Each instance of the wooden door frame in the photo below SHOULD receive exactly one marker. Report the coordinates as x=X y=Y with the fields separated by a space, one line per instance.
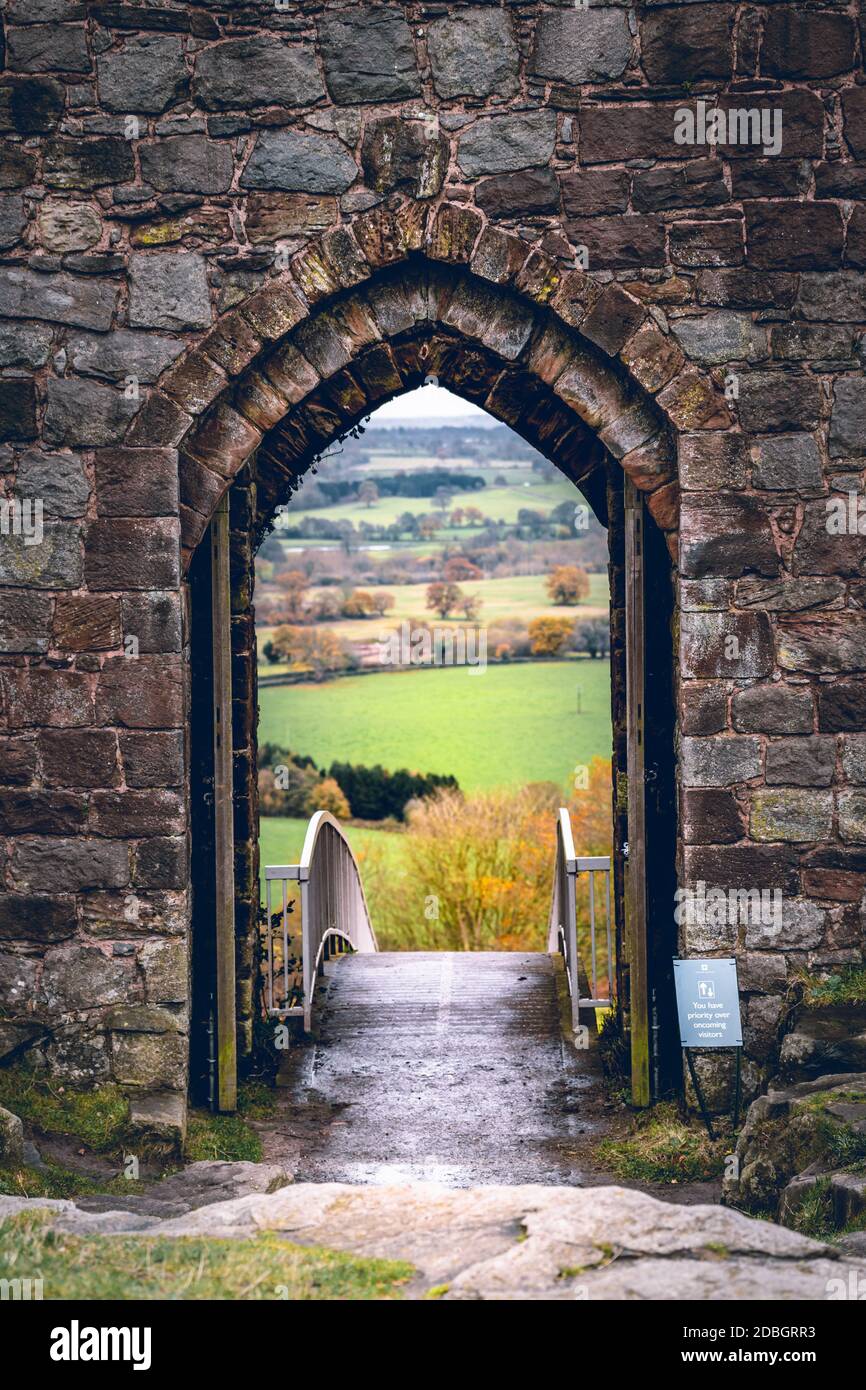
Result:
x=635 y=862
x=223 y=783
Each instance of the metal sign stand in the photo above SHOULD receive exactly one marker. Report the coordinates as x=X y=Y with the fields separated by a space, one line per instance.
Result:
x=705 y=1114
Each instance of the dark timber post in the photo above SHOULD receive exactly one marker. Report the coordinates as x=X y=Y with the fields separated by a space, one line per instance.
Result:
x=227 y=1081
x=635 y=878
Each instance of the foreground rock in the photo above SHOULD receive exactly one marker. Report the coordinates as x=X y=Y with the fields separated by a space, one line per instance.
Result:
x=523 y=1242
x=801 y=1139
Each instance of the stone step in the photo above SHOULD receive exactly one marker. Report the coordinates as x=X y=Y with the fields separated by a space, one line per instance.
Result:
x=824 y=1041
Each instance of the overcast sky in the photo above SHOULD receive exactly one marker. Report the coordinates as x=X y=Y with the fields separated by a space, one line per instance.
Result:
x=430 y=404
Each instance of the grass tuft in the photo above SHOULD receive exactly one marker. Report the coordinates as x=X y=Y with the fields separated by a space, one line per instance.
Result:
x=824 y=991
x=664 y=1148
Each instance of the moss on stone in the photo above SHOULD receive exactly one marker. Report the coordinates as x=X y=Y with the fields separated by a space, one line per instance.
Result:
x=98 y=1116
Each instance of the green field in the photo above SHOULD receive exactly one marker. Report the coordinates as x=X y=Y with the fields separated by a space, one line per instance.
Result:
x=507 y=726
x=496 y=503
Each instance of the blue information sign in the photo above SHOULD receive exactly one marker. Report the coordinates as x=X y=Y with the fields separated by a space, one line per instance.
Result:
x=708 y=1002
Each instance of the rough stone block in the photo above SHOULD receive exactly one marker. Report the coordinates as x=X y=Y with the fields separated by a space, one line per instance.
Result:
x=585 y=45
x=720 y=762
x=728 y=645
x=848 y=420
x=145 y=76
x=725 y=536
x=500 y=144
x=473 y=54
x=688 y=44
x=795 y=816
x=69 y=865
x=772 y=709
x=79 y=758
x=149 y=1060
x=299 y=163
x=801 y=762
x=153 y=759
x=262 y=70
x=141 y=694
x=822 y=644
x=368 y=55
x=187 y=164
x=712 y=461
x=136 y=482
x=128 y=553
x=168 y=290
x=788 y=461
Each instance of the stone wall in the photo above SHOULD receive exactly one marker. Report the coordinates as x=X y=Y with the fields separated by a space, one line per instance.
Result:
x=234 y=227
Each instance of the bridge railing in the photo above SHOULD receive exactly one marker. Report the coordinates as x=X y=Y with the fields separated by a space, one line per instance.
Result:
x=585 y=939
x=334 y=914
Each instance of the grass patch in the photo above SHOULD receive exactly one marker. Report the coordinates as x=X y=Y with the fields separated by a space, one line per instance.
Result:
x=256 y=1100
x=814 y=1216
x=97 y=1117
x=509 y=726
x=663 y=1147
x=52 y=1180
x=120 y=1267
x=225 y=1137
x=822 y=992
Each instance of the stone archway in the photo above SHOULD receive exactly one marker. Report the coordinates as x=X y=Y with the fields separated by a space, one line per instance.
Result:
x=597 y=348
x=414 y=318
x=155 y=170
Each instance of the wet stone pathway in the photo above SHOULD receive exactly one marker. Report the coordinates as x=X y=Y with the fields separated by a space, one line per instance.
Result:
x=445 y=1067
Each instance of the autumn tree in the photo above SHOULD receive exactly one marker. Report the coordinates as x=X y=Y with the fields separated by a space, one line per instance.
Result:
x=567 y=584
x=359 y=604
x=311 y=649
x=368 y=493
x=327 y=796
x=459 y=570
x=470 y=606
x=293 y=586
x=549 y=636
x=382 y=600
x=443 y=598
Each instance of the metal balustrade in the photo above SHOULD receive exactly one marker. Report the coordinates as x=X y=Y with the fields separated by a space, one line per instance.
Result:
x=334 y=914
x=578 y=942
